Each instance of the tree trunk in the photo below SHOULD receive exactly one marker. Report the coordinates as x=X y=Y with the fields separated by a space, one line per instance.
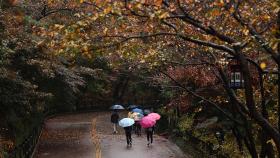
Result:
x=278 y=83
x=238 y=140
x=123 y=89
x=252 y=151
x=267 y=148
x=238 y=108
x=251 y=140
x=116 y=93
x=278 y=51
x=250 y=102
x=119 y=89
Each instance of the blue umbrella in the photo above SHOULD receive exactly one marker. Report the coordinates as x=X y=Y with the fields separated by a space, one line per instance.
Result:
x=117 y=107
x=126 y=122
x=138 y=110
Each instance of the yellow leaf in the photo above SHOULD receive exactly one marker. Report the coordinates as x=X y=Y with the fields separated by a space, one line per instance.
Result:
x=271 y=142
x=108 y=10
x=215 y=12
x=139 y=5
x=246 y=32
x=164 y=15
x=85 y=48
x=77 y=15
x=266 y=17
x=98 y=2
x=105 y=30
x=263 y=65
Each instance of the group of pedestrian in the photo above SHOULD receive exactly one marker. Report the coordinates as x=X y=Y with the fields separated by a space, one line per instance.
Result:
x=135 y=116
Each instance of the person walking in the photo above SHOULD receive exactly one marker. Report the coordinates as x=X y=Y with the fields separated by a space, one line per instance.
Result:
x=128 y=131
x=115 y=119
x=130 y=115
x=137 y=128
x=150 y=132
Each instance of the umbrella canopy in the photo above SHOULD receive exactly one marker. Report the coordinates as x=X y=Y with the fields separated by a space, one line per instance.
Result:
x=130 y=114
x=147 y=122
x=126 y=122
x=156 y=116
x=117 y=107
x=137 y=110
x=137 y=116
x=147 y=111
x=132 y=106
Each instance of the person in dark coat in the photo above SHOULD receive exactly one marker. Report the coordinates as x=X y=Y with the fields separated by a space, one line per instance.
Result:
x=150 y=132
x=128 y=131
x=137 y=128
x=115 y=119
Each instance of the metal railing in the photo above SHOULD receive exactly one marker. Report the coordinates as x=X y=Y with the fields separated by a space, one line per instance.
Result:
x=25 y=149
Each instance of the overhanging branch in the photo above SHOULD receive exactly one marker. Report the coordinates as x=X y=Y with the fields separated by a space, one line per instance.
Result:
x=202 y=98
x=237 y=16
x=182 y=36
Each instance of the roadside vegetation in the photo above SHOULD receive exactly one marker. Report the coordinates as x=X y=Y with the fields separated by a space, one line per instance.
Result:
x=209 y=67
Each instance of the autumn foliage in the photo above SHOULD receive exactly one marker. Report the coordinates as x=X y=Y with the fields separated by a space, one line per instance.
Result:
x=181 y=48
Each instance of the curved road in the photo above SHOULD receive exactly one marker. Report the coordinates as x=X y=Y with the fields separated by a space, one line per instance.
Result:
x=89 y=135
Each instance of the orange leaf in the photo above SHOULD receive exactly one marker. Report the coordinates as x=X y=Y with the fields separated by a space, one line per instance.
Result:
x=158 y=2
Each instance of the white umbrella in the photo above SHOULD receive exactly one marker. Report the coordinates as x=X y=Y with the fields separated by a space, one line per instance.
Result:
x=125 y=122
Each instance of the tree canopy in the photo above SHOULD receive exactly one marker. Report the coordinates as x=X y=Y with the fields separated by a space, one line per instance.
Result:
x=180 y=47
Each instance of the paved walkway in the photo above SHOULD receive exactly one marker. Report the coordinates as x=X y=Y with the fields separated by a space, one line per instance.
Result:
x=89 y=135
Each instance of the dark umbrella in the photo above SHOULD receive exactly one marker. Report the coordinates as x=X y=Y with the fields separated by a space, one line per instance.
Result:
x=147 y=111
x=132 y=106
x=117 y=107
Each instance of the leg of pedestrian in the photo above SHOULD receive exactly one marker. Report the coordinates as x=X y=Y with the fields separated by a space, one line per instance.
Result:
x=127 y=138
x=148 y=138
x=151 y=137
x=140 y=131
x=114 y=126
x=130 y=139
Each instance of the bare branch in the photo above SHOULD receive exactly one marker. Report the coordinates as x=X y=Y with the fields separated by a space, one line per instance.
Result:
x=196 y=23
x=190 y=64
x=134 y=12
x=182 y=36
x=237 y=16
x=170 y=25
x=45 y=14
x=202 y=98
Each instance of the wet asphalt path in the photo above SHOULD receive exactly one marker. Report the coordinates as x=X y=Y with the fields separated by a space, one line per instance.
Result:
x=89 y=135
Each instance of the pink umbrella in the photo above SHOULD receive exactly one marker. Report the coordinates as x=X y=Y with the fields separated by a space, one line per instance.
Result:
x=147 y=122
x=156 y=116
